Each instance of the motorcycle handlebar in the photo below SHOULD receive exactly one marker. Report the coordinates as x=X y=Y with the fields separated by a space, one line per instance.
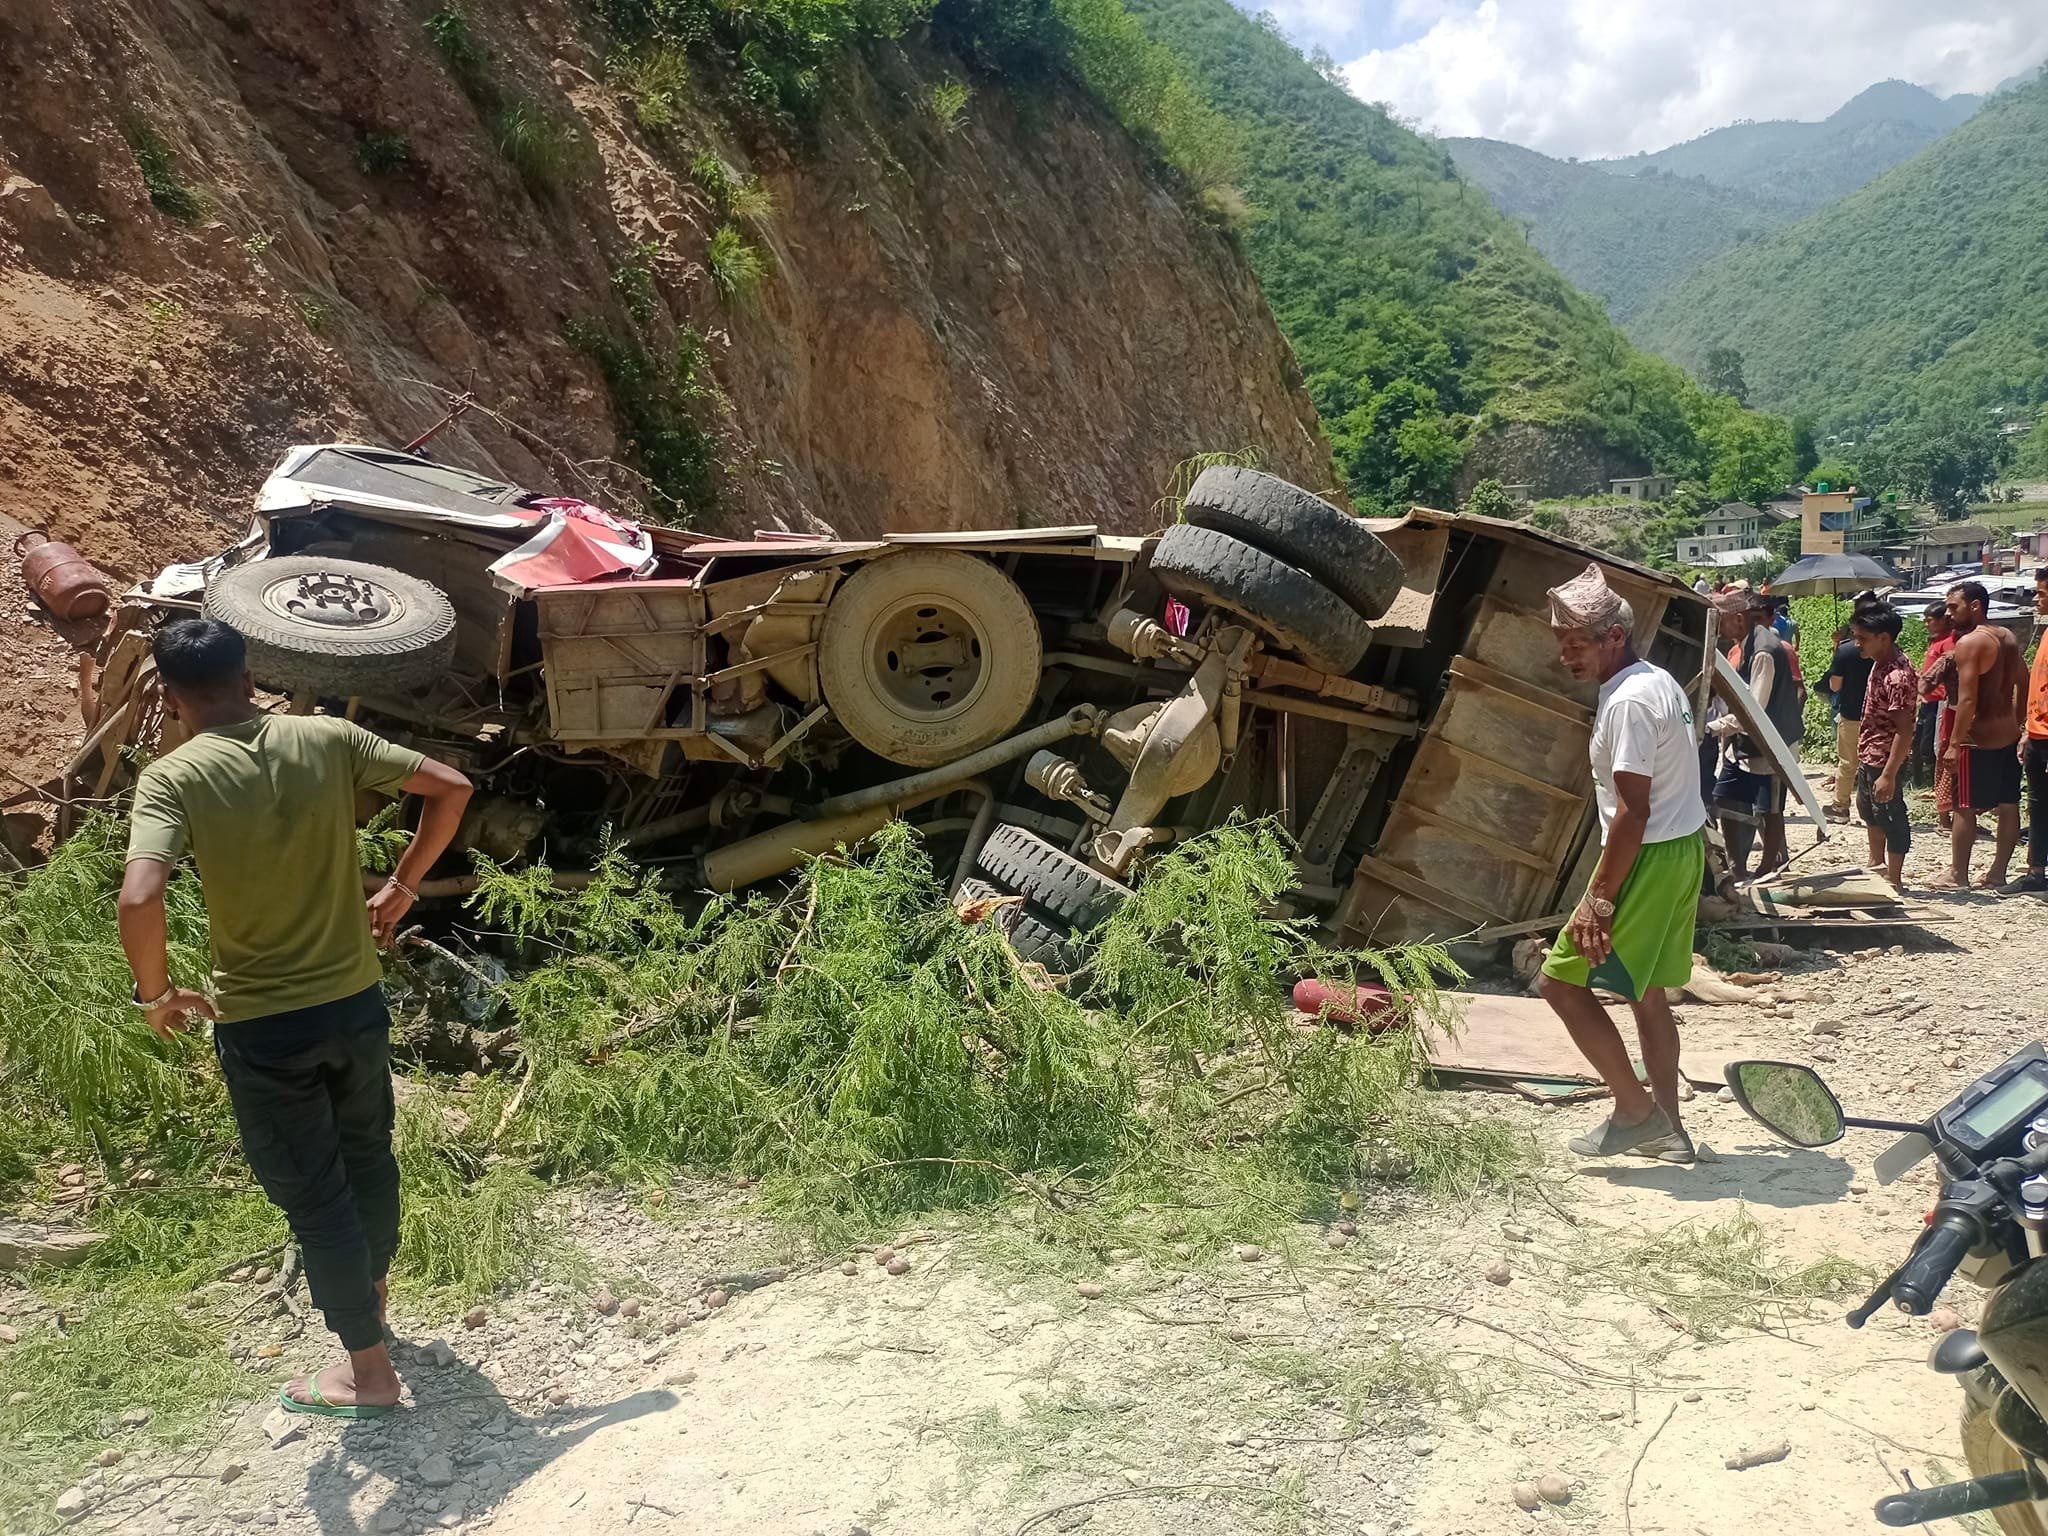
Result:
x=1934 y=1259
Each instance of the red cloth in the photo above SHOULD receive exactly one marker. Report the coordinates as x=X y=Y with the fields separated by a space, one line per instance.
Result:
x=574 y=542
x=1891 y=695
x=1937 y=689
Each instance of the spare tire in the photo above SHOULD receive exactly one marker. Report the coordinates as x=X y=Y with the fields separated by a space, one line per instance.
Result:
x=1033 y=933
x=1049 y=877
x=1298 y=612
x=336 y=629
x=1308 y=533
x=928 y=655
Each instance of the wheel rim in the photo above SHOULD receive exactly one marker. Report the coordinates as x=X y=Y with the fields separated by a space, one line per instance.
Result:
x=927 y=658
x=334 y=600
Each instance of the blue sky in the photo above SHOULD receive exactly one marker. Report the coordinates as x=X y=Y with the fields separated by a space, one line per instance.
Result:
x=1609 y=77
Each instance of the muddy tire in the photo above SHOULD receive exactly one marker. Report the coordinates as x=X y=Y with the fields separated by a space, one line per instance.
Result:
x=1295 y=610
x=1305 y=531
x=1986 y=1451
x=336 y=629
x=1033 y=933
x=928 y=655
x=1047 y=877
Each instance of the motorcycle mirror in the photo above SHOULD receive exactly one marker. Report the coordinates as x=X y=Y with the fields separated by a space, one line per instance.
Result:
x=1791 y=1102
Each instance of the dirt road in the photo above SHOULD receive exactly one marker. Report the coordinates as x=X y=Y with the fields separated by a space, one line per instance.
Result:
x=1641 y=1339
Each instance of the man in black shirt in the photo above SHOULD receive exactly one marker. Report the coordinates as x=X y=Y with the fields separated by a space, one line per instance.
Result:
x=1847 y=675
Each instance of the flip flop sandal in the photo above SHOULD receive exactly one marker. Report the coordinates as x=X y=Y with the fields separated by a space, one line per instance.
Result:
x=321 y=1408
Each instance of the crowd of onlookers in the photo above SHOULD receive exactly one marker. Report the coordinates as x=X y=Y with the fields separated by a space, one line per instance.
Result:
x=1968 y=720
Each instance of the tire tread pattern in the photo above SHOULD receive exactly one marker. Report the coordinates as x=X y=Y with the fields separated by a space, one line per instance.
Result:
x=1049 y=877
x=332 y=663
x=1291 y=606
x=1033 y=933
x=1306 y=532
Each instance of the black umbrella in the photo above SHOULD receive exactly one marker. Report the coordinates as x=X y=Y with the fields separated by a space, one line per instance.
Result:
x=1831 y=576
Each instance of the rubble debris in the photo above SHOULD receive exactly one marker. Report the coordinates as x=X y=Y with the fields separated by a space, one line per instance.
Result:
x=1762 y=1458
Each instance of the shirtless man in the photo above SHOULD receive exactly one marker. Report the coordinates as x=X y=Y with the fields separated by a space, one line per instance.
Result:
x=1990 y=701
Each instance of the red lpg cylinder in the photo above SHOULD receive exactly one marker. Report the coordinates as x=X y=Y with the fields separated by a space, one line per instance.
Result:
x=62 y=579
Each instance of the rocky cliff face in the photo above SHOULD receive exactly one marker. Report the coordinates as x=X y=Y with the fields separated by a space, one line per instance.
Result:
x=226 y=226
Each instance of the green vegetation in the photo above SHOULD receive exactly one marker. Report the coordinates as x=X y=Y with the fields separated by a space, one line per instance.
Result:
x=870 y=1056
x=466 y=58
x=382 y=153
x=656 y=79
x=1946 y=456
x=1818 y=618
x=656 y=396
x=1422 y=317
x=2032 y=460
x=1622 y=238
x=735 y=266
x=160 y=171
x=544 y=147
x=82 y=1081
x=945 y=102
x=741 y=196
x=1709 y=1278
x=1489 y=498
x=1167 y=508
x=633 y=281
x=780 y=52
x=1919 y=291
x=1798 y=167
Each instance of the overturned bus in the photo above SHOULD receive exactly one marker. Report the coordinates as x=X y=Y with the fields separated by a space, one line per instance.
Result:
x=1049 y=706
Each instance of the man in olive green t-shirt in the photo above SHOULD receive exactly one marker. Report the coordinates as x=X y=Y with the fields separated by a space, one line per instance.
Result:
x=265 y=806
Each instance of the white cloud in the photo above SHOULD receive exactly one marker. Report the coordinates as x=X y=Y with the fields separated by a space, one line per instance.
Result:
x=1610 y=77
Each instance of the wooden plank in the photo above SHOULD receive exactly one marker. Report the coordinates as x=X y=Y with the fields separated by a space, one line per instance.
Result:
x=1467 y=833
x=1462 y=786
x=1419 y=890
x=1455 y=863
x=1507 y=771
x=1494 y=723
x=1517 y=641
x=1528 y=692
x=1521 y=1037
x=1734 y=692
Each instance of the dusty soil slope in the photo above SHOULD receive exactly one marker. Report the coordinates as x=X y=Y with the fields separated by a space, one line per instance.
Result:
x=1007 y=320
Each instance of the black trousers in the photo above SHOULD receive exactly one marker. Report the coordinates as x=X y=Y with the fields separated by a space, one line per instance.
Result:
x=312 y=1096
x=2036 y=764
x=1921 y=764
x=1886 y=816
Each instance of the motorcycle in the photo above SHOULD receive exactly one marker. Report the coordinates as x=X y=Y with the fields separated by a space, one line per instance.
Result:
x=1992 y=1144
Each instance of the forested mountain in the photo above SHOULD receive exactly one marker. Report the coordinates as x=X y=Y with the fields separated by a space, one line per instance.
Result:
x=1437 y=342
x=1623 y=239
x=1929 y=285
x=1800 y=166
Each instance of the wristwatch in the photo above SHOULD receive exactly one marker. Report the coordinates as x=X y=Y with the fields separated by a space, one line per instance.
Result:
x=1599 y=906
x=135 y=996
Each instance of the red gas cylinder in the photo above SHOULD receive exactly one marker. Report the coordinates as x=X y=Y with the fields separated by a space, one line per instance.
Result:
x=1367 y=1003
x=62 y=579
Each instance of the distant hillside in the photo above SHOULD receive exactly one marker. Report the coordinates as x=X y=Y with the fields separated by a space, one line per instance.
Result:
x=1801 y=166
x=1623 y=239
x=1925 y=286
x=1438 y=344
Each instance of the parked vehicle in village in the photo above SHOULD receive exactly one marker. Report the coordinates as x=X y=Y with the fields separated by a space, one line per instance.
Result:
x=1048 y=705
x=1992 y=1143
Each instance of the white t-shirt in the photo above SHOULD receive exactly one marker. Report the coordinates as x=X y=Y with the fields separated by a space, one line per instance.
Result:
x=1644 y=725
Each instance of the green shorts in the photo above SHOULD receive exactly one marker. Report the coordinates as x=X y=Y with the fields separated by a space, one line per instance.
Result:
x=1653 y=919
